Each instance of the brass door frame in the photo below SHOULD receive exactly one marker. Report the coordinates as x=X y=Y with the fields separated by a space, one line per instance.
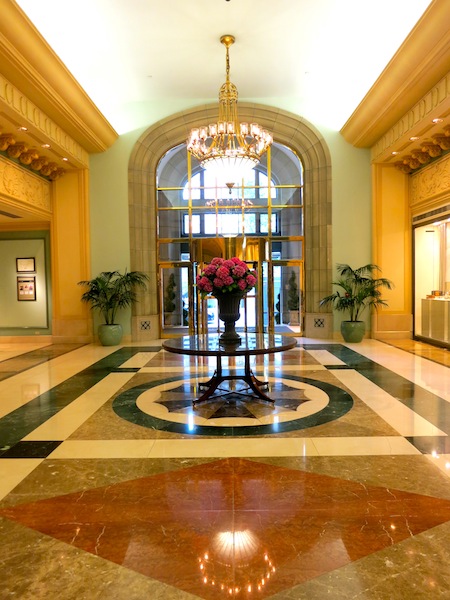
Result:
x=197 y=313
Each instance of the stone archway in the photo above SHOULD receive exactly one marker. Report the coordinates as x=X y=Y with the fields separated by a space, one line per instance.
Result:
x=288 y=129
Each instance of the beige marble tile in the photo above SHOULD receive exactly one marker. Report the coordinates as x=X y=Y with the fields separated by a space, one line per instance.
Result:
x=13 y=471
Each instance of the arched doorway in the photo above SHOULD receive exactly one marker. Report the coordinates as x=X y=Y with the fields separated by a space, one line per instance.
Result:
x=288 y=130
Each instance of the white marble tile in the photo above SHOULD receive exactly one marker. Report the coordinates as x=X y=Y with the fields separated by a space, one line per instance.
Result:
x=70 y=418
x=103 y=449
x=324 y=357
x=426 y=373
x=140 y=359
x=400 y=417
x=363 y=446
x=164 y=370
x=227 y=447
x=17 y=390
x=289 y=368
x=12 y=350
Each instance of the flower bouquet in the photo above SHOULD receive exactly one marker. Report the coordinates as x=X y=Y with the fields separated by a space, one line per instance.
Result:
x=226 y=276
x=228 y=280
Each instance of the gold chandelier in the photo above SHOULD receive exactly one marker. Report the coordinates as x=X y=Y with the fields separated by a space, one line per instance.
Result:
x=228 y=147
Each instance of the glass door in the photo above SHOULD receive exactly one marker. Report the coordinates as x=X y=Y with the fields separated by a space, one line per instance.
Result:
x=177 y=301
x=287 y=278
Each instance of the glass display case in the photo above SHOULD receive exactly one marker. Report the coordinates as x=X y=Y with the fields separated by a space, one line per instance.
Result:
x=432 y=281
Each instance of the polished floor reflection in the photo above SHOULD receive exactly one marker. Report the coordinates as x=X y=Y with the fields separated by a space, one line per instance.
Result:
x=114 y=486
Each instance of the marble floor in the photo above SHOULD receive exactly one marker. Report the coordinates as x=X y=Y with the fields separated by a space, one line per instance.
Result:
x=113 y=486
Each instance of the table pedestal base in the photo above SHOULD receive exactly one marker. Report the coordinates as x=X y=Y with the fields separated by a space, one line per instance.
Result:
x=252 y=382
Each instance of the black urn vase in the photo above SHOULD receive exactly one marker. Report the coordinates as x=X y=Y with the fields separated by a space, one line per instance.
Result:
x=229 y=305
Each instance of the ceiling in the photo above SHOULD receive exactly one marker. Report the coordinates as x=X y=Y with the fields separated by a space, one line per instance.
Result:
x=316 y=58
x=140 y=61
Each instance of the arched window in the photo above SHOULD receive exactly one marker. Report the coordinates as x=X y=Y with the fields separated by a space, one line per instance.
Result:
x=262 y=215
x=240 y=209
x=269 y=202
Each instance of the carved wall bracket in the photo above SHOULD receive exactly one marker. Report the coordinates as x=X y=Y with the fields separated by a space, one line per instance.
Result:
x=29 y=157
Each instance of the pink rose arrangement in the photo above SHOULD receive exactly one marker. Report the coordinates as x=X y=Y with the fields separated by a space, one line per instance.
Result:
x=223 y=276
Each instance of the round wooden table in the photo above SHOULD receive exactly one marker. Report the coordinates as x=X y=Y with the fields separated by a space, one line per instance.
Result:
x=251 y=344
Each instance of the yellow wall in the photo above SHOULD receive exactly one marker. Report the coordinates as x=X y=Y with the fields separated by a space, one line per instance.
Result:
x=392 y=250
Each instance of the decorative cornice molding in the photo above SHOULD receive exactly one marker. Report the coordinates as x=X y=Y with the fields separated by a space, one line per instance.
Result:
x=19 y=109
x=421 y=61
x=32 y=66
x=24 y=190
x=418 y=122
x=431 y=185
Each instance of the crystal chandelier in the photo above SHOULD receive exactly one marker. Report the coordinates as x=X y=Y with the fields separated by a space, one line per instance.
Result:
x=228 y=147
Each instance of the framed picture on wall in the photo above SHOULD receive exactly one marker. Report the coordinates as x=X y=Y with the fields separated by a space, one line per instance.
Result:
x=26 y=288
x=25 y=265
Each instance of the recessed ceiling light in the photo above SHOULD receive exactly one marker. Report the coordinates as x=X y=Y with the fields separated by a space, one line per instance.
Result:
x=414 y=138
x=437 y=120
x=394 y=153
x=22 y=128
x=45 y=146
x=65 y=159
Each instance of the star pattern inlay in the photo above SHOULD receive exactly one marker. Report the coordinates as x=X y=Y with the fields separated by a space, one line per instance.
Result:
x=233 y=403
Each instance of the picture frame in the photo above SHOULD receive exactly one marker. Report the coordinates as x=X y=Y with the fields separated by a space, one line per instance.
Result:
x=26 y=265
x=26 y=289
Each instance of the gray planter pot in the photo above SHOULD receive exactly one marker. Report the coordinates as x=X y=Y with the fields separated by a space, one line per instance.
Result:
x=353 y=331
x=110 y=335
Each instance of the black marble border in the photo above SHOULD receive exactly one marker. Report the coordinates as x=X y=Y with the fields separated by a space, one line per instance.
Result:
x=340 y=402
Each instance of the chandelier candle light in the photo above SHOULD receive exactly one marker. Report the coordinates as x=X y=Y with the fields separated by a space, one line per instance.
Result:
x=228 y=280
x=228 y=147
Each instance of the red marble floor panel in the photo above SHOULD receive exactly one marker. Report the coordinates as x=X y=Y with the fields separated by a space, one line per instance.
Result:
x=233 y=524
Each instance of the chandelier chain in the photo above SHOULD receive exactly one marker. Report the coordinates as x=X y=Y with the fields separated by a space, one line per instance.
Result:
x=228 y=147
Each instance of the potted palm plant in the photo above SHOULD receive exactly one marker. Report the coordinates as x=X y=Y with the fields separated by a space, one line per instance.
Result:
x=109 y=292
x=359 y=290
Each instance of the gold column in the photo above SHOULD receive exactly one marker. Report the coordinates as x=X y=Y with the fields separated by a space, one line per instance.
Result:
x=70 y=246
